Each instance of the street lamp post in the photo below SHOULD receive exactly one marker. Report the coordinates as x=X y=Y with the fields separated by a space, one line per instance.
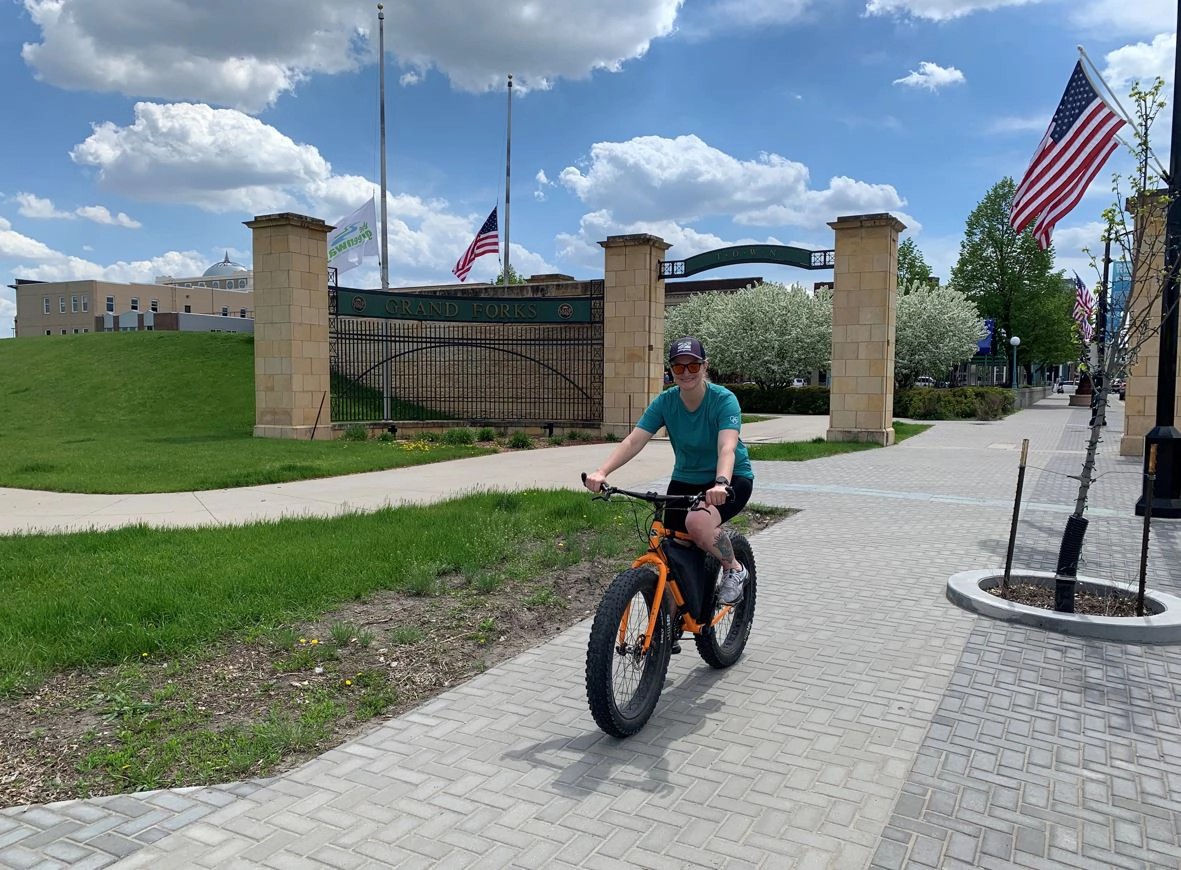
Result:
x=1166 y=493
x=1015 y=341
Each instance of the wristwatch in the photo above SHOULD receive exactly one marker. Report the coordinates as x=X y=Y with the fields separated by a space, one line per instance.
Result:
x=722 y=481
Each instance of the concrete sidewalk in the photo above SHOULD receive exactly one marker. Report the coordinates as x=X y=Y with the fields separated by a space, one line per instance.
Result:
x=870 y=724
x=24 y=510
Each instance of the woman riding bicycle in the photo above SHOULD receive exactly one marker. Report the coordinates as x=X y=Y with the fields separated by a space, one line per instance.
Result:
x=703 y=422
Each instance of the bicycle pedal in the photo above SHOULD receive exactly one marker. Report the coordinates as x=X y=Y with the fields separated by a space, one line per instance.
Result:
x=676 y=648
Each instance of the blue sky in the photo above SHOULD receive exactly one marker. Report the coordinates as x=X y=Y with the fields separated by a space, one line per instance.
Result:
x=141 y=135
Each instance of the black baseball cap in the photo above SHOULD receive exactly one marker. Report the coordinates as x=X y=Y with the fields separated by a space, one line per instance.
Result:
x=687 y=346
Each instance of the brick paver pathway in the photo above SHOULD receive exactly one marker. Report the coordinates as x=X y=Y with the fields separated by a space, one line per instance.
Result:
x=870 y=724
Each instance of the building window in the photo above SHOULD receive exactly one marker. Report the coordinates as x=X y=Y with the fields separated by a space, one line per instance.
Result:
x=149 y=328
x=135 y=303
x=200 y=283
x=84 y=329
x=189 y=284
x=73 y=304
x=61 y=304
x=85 y=304
x=75 y=330
x=225 y=311
x=215 y=284
x=242 y=283
x=49 y=332
x=241 y=312
x=110 y=305
x=188 y=309
x=45 y=304
x=155 y=305
x=63 y=332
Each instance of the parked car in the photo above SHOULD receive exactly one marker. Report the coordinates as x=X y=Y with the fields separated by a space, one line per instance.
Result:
x=924 y=381
x=799 y=382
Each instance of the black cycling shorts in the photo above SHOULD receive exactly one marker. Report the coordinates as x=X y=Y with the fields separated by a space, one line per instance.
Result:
x=674 y=518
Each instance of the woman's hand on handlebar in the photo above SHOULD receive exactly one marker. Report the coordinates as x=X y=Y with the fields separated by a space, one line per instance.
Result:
x=594 y=481
x=718 y=494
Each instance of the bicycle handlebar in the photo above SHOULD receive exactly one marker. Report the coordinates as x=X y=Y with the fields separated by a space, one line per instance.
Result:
x=657 y=498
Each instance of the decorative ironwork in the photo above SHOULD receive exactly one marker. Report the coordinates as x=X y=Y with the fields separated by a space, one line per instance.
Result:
x=823 y=259
x=742 y=254
x=467 y=373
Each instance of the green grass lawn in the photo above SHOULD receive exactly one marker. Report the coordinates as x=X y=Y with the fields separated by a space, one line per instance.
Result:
x=103 y=597
x=818 y=448
x=158 y=412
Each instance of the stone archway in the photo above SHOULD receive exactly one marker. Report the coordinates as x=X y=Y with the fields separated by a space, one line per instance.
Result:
x=864 y=261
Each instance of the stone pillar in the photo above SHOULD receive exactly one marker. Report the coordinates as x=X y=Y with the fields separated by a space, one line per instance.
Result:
x=292 y=397
x=861 y=395
x=633 y=328
x=1147 y=275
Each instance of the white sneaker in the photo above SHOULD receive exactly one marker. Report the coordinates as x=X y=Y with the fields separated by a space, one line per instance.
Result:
x=733 y=582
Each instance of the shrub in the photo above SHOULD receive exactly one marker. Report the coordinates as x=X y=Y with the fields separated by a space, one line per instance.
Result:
x=611 y=437
x=991 y=406
x=555 y=440
x=578 y=435
x=387 y=436
x=520 y=441
x=459 y=437
x=356 y=433
x=487 y=433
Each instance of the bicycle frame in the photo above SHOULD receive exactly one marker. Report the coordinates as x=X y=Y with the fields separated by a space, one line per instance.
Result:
x=657 y=534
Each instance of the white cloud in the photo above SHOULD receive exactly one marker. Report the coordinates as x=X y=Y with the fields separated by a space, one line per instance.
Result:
x=1137 y=18
x=15 y=246
x=543 y=183
x=937 y=10
x=1142 y=61
x=932 y=76
x=39 y=208
x=101 y=215
x=653 y=179
x=223 y=160
x=246 y=55
x=220 y=160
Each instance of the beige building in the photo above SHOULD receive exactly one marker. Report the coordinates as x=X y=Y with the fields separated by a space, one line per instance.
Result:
x=224 y=291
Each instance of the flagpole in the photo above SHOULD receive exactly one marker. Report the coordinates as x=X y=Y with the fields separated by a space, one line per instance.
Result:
x=1166 y=490
x=387 y=399
x=385 y=249
x=508 y=173
x=1096 y=78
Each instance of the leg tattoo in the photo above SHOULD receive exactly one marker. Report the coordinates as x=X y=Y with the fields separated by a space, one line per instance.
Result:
x=724 y=548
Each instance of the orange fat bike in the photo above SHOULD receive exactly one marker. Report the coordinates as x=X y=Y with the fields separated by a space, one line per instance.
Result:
x=668 y=591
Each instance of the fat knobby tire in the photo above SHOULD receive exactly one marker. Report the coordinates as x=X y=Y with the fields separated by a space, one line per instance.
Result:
x=622 y=717
x=724 y=650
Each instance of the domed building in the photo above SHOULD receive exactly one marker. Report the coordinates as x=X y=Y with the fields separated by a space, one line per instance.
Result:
x=225 y=269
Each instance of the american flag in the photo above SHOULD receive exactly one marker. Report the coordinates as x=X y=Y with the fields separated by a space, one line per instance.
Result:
x=487 y=241
x=1078 y=142
x=1084 y=307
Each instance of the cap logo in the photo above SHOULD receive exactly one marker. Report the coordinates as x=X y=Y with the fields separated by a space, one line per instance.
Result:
x=685 y=347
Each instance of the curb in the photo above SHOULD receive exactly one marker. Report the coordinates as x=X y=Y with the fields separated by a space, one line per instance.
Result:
x=969 y=590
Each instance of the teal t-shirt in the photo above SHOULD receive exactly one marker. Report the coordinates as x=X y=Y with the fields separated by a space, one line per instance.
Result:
x=694 y=435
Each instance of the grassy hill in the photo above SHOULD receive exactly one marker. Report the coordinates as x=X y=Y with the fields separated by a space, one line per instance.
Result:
x=155 y=412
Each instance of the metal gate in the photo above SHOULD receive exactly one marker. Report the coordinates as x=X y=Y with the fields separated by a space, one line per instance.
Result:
x=533 y=358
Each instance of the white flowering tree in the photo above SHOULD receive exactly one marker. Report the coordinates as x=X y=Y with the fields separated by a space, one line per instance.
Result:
x=769 y=333
x=772 y=333
x=935 y=329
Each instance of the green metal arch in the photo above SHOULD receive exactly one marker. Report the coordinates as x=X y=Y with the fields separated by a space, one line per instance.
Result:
x=783 y=255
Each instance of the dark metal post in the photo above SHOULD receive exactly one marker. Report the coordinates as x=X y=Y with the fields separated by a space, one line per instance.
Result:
x=1102 y=375
x=1166 y=498
x=1016 y=517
